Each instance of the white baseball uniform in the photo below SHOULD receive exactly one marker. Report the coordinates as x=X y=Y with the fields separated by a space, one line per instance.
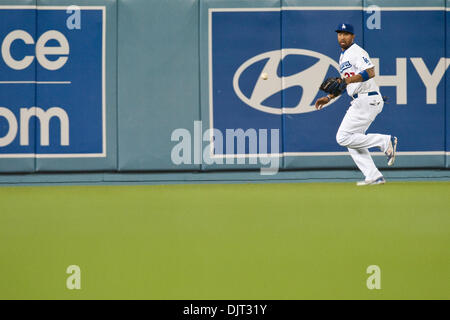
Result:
x=362 y=112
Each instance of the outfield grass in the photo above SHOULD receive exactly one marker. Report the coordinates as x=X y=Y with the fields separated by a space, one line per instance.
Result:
x=255 y=241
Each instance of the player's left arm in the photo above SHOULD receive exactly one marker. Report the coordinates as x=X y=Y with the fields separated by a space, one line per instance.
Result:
x=362 y=76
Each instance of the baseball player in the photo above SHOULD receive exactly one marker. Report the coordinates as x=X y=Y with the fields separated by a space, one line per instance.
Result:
x=357 y=72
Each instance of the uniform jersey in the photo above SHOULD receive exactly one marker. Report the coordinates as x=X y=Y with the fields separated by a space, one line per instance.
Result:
x=353 y=61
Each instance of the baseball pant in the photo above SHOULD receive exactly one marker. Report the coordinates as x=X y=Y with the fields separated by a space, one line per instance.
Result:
x=352 y=133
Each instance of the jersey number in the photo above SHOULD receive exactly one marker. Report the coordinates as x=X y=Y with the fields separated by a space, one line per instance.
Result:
x=348 y=75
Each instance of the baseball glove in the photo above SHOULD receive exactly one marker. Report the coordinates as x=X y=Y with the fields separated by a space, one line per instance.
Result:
x=335 y=86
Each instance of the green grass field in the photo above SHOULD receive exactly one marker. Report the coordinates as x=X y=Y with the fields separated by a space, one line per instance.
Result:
x=253 y=241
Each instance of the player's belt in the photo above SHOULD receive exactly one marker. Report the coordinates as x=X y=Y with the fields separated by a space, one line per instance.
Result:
x=371 y=93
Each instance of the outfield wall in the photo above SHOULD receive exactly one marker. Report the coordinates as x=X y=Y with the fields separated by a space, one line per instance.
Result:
x=112 y=83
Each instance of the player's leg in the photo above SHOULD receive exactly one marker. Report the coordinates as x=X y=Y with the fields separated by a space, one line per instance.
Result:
x=355 y=140
x=365 y=164
x=351 y=134
x=359 y=117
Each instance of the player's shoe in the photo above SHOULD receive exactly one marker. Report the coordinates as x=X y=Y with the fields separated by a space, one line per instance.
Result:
x=392 y=150
x=379 y=180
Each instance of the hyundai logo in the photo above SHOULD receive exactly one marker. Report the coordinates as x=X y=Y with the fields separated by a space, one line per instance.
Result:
x=309 y=79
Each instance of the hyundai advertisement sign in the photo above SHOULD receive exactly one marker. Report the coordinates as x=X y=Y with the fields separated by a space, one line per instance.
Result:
x=266 y=67
x=52 y=82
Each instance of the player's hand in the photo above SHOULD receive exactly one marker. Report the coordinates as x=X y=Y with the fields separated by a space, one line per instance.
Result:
x=321 y=102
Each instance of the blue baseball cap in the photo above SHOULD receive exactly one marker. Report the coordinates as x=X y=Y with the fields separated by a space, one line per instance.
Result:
x=345 y=27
